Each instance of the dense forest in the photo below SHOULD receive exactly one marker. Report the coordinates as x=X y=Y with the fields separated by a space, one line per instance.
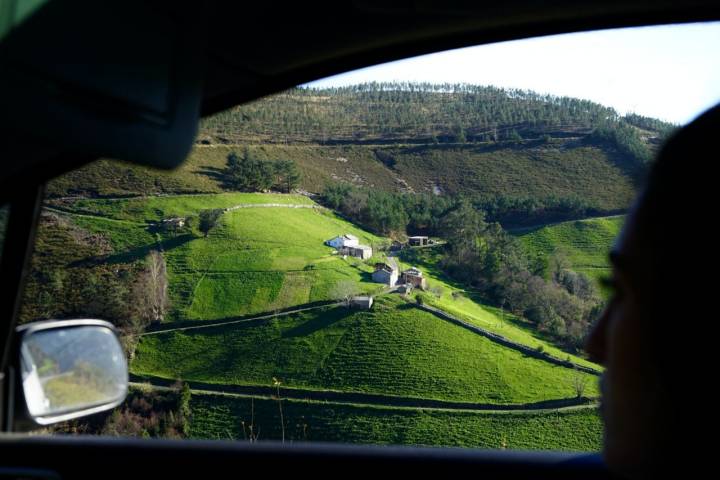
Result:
x=423 y=113
x=402 y=111
x=414 y=112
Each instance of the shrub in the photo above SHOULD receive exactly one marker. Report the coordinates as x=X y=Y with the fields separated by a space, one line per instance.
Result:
x=422 y=299
x=209 y=220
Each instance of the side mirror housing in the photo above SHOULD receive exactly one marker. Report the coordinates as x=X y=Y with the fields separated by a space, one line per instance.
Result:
x=65 y=369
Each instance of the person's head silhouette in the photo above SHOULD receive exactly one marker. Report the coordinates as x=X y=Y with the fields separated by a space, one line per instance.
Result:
x=653 y=336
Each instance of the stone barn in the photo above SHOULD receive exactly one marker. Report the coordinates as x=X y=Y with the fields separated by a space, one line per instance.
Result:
x=360 y=251
x=386 y=273
x=414 y=277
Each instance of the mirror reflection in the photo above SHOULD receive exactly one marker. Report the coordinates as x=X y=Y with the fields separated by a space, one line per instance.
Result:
x=71 y=369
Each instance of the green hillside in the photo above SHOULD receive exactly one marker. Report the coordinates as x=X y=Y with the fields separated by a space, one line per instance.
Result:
x=222 y=417
x=254 y=299
x=260 y=258
x=584 y=243
x=543 y=173
x=392 y=349
x=266 y=255
x=463 y=303
x=524 y=158
x=267 y=259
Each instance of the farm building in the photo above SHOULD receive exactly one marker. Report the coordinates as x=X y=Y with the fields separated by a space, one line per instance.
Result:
x=414 y=277
x=364 y=302
x=418 y=241
x=386 y=273
x=341 y=241
x=360 y=251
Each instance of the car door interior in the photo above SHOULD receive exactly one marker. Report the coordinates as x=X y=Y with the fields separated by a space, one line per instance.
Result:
x=131 y=80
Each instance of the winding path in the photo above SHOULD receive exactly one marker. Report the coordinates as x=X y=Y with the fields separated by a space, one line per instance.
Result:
x=272 y=205
x=232 y=321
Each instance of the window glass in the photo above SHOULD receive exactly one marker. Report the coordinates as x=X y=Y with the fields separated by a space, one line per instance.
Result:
x=410 y=262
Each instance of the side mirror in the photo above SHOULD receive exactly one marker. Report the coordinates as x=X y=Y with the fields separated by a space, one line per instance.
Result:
x=66 y=369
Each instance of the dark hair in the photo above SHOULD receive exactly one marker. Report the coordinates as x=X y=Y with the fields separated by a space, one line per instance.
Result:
x=673 y=221
x=676 y=210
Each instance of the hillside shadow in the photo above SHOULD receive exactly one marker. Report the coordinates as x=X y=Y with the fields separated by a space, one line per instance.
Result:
x=134 y=254
x=623 y=161
x=474 y=147
x=249 y=320
x=531 y=229
x=213 y=173
x=317 y=323
x=416 y=149
x=405 y=306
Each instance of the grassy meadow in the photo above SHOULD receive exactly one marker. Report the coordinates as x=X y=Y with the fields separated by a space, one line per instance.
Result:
x=393 y=349
x=222 y=417
x=584 y=243
x=261 y=259
x=256 y=260
x=464 y=304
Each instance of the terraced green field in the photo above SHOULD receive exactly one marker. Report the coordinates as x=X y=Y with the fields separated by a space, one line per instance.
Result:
x=267 y=258
x=455 y=300
x=585 y=243
x=261 y=260
x=264 y=259
x=258 y=259
x=219 y=417
x=392 y=349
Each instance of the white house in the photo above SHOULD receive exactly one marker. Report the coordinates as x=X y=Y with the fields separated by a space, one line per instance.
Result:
x=341 y=241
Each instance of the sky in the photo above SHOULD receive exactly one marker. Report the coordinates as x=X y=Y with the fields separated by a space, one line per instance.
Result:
x=668 y=72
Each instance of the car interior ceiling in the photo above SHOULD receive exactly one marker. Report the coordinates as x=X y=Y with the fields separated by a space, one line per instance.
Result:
x=251 y=51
